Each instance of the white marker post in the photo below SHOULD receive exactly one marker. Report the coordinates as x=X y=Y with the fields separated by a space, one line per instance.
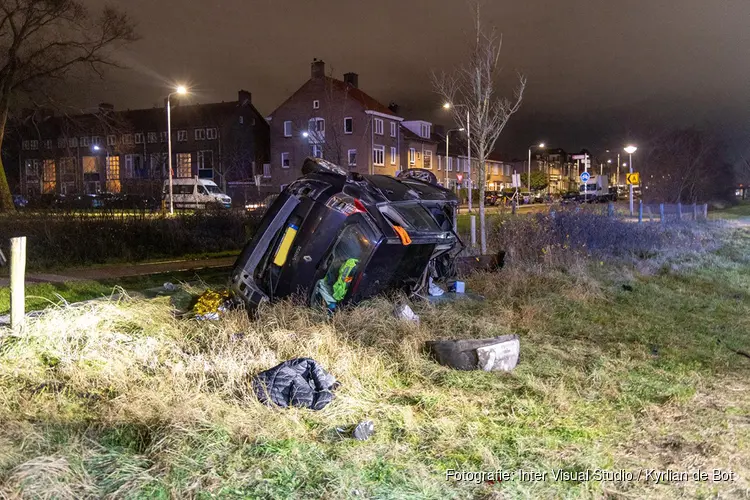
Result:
x=17 y=271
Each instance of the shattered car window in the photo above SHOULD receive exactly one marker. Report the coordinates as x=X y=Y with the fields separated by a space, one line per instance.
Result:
x=414 y=216
x=350 y=252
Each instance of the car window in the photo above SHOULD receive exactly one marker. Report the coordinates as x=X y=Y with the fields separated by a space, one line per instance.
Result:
x=213 y=189
x=202 y=190
x=411 y=216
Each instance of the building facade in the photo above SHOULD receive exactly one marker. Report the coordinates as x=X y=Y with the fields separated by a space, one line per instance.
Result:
x=126 y=151
x=335 y=120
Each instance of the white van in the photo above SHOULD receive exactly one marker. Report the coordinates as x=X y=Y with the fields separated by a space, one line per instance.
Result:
x=195 y=193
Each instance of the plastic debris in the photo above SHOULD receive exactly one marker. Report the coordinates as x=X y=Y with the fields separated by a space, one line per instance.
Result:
x=169 y=287
x=434 y=290
x=210 y=304
x=404 y=312
x=364 y=430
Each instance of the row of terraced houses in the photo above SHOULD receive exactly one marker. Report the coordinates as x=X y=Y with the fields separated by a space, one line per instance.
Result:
x=247 y=154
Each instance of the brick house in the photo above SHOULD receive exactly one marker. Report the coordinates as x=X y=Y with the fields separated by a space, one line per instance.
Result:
x=418 y=145
x=126 y=151
x=334 y=120
x=497 y=172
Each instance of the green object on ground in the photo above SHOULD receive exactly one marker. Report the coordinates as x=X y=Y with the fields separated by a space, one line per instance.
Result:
x=345 y=277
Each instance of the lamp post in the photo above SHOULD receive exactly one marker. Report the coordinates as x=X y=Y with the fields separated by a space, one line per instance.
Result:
x=540 y=146
x=630 y=150
x=448 y=105
x=181 y=90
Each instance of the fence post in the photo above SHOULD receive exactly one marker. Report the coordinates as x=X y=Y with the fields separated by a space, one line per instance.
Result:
x=611 y=209
x=679 y=211
x=705 y=210
x=473 y=230
x=661 y=214
x=17 y=271
x=695 y=212
x=513 y=207
x=640 y=211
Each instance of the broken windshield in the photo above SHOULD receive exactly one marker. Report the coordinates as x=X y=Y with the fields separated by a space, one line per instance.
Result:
x=411 y=216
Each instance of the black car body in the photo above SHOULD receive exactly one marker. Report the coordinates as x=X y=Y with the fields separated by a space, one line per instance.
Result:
x=335 y=238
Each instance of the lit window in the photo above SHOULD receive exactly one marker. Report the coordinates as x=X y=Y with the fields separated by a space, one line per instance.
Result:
x=393 y=129
x=184 y=164
x=287 y=128
x=112 y=174
x=427 y=160
x=378 y=126
x=348 y=125
x=285 y=163
x=200 y=134
x=393 y=155
x=352 y=155
x=378 y=154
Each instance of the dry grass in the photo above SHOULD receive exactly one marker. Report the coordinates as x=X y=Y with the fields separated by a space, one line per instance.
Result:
x=125 y=400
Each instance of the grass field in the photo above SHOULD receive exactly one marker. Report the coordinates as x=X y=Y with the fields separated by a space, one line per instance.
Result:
x=737 y=211
x=625 y=365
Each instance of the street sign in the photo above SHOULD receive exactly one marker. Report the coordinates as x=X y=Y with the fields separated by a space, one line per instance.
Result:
x=459 y=178
x=585 y=176
x=580 y=157
x=633 y=179
x=516 y=180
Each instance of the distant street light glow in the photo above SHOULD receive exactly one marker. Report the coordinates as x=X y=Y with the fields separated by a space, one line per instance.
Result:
x=447 y=105
x=181 y=89
x=631 y=149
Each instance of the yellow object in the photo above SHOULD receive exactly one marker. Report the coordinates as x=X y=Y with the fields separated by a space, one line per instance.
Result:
x=286 y=243
x=405 y=239
x=210 y=301
x=634 y=178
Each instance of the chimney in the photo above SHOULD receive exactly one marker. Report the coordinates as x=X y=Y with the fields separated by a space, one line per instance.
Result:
x=393 y=107
x=317 y=69
x=244 y=97
x=352 y=79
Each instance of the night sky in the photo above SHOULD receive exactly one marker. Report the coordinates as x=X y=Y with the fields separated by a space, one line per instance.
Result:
x=600 y=73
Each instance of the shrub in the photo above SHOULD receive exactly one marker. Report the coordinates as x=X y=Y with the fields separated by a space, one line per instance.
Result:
x=66 y=240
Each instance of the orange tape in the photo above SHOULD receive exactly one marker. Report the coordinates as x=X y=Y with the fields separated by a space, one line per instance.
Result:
x=405 y=239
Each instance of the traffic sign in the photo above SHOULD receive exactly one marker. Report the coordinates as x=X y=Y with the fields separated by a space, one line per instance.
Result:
x=580 y=157
x=585 y=176
x=459 y=177
x=634 y=178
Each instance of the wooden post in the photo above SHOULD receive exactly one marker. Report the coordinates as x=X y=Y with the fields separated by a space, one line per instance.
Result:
x=473 y=230
x=17 y=271
x=661 y=214
x=679 y=211
x=640 y=211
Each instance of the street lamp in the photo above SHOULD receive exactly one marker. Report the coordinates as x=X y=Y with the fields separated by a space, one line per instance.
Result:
x=540 y=146
x=181 y=90
x=630 y=150
x=449 y=105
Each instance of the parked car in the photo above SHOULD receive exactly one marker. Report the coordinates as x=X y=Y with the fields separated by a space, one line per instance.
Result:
x=80 y=201
x=569 y=197
x=492 y=198
x=524 y=197
x=335 y=237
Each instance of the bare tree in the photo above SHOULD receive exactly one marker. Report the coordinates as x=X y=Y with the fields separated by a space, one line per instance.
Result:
x=472 y=88
x=43 y=40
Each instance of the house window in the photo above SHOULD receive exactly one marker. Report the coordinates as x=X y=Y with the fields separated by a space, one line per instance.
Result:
x=287 y=128
x=466 y=165
x=68 y=166
x=316 y=104
x=285 y=163
x=211 y=134
x=163 y=136
x=378 y=154
x=25 y=145
x=89 y=165
x=450 y=164
x=96 y=140
x=72 y=143
x=127 y=171
x=316 y=129
x=111 y=140
x=139 y=138
x=48 y=144
x=182 y=136
x=242 y=120
x=33 y=145
x=48 y=176
x=352 y=155
x=348 y=125
x=495 y=170
x=427 y=160
x=84 y=141
x=393 y=129
x=61 y=142
x=206 y=164
x=378 y=126
x=200 y=134
x=158 y=162
x=152 y=137
x=32 y=168
x=139 y=169
x=426 y=131
x=266 y=170
x=112 y=174
x=127 y=139
x=184 y=163
x=412 y=156
x=393 y=156
x=317 y=151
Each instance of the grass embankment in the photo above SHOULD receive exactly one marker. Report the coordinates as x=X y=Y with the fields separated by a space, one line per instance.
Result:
x=624 y=366
x=738 y=211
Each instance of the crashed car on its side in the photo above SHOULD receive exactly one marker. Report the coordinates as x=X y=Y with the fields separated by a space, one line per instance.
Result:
x=336 y=237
